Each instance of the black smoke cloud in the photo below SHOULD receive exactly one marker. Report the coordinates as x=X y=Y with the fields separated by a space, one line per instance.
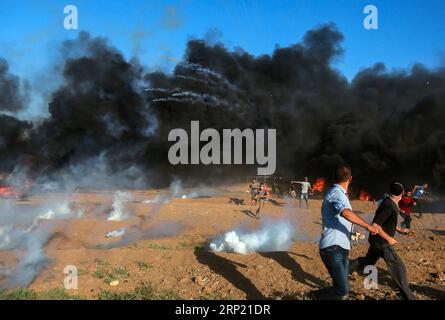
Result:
x=99 y=112
x=386 y=124
x=14 y=93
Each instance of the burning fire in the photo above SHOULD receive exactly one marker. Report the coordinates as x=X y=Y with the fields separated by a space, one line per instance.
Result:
x=319 y=185
x=14 y=192
x=364 y=196
x=9 y=192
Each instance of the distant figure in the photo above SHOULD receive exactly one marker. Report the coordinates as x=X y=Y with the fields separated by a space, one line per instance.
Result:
x=419 y=192
x=305 y=188
x=253 y=187
x=276 y=186
x=292 y=193
x=262 y=195
x=406 y=205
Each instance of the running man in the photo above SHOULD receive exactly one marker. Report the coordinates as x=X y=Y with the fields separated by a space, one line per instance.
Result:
x=418 y=193
x=305 y=188
x=382 y=244
x=253 y=187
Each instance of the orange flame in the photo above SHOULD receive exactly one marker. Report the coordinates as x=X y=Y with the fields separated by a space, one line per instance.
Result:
x=8 y=192
x=364 y=196
x=319 y=185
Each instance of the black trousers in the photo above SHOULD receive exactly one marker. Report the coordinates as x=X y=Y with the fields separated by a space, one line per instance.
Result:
x=395 y=265
x=406 y=223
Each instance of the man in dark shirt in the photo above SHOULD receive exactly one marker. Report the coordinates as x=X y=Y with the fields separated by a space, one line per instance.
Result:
x=382 y=244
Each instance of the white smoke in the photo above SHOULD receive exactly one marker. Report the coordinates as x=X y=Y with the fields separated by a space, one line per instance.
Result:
x=176 y=190
x=94 y=172
x=22 y=230
x=118 y=213
x=159 y=199
x=272 y=236
x=31 y=262
x=116 y=233
x=57 y=211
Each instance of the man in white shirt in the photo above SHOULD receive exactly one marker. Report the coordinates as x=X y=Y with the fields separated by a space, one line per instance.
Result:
x=305 y=188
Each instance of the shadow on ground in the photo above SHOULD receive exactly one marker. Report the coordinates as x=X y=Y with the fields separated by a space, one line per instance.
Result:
x=298 y=274
x=237 y=201
x=249 y=213
x=276 y=203
x=229 y=270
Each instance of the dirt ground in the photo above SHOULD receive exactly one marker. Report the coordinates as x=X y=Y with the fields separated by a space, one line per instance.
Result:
x=172 y=251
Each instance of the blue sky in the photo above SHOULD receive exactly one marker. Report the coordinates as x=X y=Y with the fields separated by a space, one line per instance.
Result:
x=156 y=31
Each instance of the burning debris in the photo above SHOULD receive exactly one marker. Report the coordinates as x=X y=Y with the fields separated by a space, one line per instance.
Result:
x=364 y=196
x=272 y=236
x=10 y=192
x=319 y=185
x=12 y=187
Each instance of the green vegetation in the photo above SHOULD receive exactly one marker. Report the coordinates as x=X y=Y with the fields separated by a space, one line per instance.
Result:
x=209 y=296
x=104 y=272
x=18 y=294
x=143 y=265
x=102 y=262
x=155 y=246
x=120 y=272
x=191 y=245
x=215 y=296
x=82 y=272
x=144 y=291
x=133 y=246
x=100 y=273
x=59 y=294
x=49 y=277
x=29 y=294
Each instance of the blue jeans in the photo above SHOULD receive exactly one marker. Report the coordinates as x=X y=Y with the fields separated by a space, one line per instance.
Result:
x=336 y=260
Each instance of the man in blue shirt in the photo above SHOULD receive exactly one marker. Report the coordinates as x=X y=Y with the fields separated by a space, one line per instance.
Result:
x=419 y=192
x=337 y=220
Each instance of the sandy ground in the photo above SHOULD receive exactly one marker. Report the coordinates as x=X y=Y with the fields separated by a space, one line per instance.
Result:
x=172 y=252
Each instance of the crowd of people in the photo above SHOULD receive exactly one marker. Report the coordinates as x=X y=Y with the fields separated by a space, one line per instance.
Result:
x=338 y=220
x=260 y=193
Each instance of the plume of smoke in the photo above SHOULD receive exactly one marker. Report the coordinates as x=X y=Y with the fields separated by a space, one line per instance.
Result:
x=22 y=230
x=139 y=232
x=119 y=200
x=116 y=233
x=176 y=190
x=376 y=122
x=14 y=94
x=272 y=236
x=32 y=261
x=94 y=172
